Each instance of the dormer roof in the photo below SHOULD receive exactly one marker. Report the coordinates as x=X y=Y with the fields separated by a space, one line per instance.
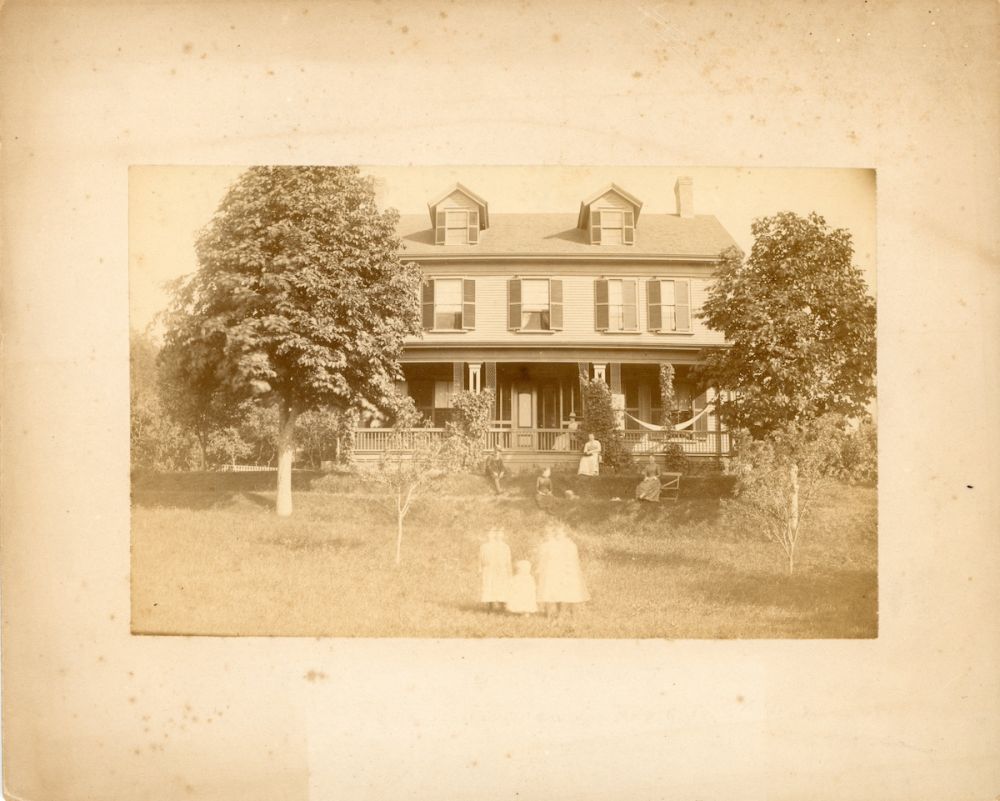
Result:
x=470 y=196
x=583 y=221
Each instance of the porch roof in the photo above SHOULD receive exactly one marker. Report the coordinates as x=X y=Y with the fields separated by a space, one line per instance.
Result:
x=429 y=353
x=665 y=236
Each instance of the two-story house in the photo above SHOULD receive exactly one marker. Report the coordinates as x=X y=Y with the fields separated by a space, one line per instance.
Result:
x=527 y=304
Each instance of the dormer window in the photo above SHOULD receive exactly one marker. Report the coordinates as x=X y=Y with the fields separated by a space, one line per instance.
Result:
x=456 y=227
x=609 y=216
x=457 y=217
x=612 y=227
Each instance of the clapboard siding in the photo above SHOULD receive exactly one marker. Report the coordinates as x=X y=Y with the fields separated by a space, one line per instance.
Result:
x=578 y=306
x=458 y=200
x=611 y=200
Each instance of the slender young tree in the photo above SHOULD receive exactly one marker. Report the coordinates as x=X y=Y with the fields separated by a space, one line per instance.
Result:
x=800 y=323
x=411 y=463
x=301 y=299
x=782 y=476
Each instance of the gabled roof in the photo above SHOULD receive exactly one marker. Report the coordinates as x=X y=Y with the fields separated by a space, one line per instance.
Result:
x=484 y=211
x=665 y=236
x=584 y=219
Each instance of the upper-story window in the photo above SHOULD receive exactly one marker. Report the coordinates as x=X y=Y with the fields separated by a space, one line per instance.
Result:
x=457 y=216
x=534 y=304
x=616 y=304
x=448 y=304
x=612 y=227
x=609 y=216
x=669 y=302
x=456 y=227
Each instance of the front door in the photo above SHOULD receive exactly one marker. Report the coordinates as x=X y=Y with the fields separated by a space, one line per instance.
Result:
x=523 y=412
x=548 y=412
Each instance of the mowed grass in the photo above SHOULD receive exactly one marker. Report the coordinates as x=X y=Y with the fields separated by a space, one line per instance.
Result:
x=209 y=556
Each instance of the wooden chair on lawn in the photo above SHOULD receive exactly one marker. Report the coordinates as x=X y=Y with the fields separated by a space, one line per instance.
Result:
x=670 y=486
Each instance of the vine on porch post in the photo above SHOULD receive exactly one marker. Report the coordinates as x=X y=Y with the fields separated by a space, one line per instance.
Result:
x=667 y=395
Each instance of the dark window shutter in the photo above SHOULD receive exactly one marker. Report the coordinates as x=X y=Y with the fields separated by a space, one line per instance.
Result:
x=628 y=228
x=469 y=303
x=439 y=228
x=601 y=304
x=474 y=227
x=629 y=308
x=427 y=305
x=514 y=303
x=653 y=309
x=555 y=304
x=682 y=299
x=595 y=228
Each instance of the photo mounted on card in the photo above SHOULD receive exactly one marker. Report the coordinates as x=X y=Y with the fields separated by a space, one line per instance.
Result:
x=592 y=402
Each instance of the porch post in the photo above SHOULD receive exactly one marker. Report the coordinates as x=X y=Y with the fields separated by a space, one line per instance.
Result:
x=491 y=383
x=616 y=377
x=600 y=371
x=718 y=426
x=584 y=376
x=474 y=376
x=456 y=378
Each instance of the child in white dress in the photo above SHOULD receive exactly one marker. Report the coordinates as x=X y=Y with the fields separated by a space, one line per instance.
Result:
x=560 y=579
x=522 y=590
x=494 y=570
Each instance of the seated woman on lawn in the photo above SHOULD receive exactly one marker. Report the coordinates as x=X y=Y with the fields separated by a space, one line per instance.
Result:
x=494 y=570
x=649 y=487
x=591 y=459
x=543 y=489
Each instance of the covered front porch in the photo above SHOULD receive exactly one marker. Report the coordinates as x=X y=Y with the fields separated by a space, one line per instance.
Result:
x=539 y=408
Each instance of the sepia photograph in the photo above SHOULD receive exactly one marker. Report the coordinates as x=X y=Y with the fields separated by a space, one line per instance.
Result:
x=475 y=400
x=460 y=401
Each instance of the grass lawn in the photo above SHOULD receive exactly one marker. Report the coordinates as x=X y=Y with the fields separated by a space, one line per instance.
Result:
x=209 y=556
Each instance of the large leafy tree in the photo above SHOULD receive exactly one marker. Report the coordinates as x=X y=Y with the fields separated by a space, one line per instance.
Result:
x=300 y=300
x=801 y=324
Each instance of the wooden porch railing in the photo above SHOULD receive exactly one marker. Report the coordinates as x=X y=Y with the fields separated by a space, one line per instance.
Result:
x=550 y=440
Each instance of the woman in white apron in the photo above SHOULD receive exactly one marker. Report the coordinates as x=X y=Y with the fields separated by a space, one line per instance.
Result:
x=591 y=459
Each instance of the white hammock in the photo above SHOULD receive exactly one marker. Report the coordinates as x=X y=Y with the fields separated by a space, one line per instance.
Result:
x=678 y=427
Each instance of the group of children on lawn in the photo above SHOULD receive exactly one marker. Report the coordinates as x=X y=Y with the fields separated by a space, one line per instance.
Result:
x=556 y=586
x=559 y=585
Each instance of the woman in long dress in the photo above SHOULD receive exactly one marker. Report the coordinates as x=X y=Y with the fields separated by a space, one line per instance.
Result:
x=649 y=488
x=591 y=460
x=494 y=570
x=560 y=579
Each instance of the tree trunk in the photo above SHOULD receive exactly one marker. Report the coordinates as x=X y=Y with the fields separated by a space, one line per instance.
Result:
x=399 y=535
x=202 y=449
x=793 y=515
x=286 y=454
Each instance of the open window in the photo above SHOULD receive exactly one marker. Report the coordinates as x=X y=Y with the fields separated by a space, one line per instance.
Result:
x=669 y=302
x=612 y=227
x=616 y=307
x=448 y=304
x=534 y=304
x=456 y=227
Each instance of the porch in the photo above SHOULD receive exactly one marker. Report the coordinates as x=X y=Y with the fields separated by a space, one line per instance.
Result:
x=543 y=396
x=549 y=445
x=539 y=407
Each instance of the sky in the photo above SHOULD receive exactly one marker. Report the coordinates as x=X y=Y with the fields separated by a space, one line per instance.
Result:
x=168 y=205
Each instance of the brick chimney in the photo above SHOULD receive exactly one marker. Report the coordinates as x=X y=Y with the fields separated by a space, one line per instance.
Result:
x=684 y=191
